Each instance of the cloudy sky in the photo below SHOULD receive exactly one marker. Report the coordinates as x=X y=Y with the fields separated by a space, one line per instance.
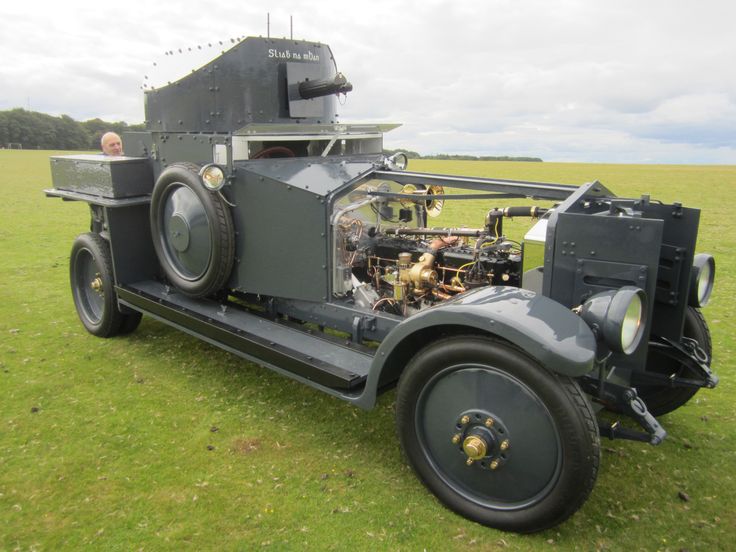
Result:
x=624 y=81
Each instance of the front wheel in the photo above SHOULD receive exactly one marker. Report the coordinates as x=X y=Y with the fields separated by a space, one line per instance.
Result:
x=495 y=436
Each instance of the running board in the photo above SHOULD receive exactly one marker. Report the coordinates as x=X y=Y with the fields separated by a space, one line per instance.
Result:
x=256 y=338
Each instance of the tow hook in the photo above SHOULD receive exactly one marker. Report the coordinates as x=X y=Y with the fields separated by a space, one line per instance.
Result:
x=638 y=410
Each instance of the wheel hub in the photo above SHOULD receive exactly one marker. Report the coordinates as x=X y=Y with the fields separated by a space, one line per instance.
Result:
x=96 y=284
x=179 y=232
x=483 y=439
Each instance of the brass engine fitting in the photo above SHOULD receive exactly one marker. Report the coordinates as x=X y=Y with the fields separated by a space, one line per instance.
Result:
x=422 y=274
x=403 y=281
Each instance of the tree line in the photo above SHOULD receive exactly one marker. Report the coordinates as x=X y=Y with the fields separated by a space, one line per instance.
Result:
x=447 y=157
x=35 y=130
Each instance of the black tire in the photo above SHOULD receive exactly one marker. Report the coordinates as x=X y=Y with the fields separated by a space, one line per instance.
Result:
x=130 y=323
x=91 y=277
x=551 y=463
x=192 y=232
x=663 y=399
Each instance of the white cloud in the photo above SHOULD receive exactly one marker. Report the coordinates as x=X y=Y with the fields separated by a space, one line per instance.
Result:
x=624 y=81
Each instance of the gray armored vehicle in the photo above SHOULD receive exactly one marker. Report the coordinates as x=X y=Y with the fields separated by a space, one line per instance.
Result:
x=248 y=216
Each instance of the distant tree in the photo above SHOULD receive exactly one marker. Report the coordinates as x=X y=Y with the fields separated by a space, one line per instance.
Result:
x=3 y=129
x=70 y=134
x=39 y=130
x=29 y=128
x=460 y=157
x=463 y=157
x=95 y=128
x=409 y=154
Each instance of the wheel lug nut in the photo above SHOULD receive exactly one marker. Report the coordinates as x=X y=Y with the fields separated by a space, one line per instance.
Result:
x=505 y=444
x=456 y=438
x=494 y=464
x=464 y=420
x=489 y=422
x=469 y=462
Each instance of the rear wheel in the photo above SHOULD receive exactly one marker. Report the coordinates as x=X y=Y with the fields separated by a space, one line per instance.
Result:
x=661 y=399
x=496 y=437
x=91 y=277
x=130 y=322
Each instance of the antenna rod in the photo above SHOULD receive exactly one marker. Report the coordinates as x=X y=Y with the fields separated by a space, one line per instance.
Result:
x=268 y=25
x=291 y=26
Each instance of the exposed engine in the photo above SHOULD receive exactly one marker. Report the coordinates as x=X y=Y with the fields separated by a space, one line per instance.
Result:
x=386 y=264
x=406 y=274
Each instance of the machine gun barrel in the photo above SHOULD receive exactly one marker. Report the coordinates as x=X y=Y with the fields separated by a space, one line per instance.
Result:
x=324 y=87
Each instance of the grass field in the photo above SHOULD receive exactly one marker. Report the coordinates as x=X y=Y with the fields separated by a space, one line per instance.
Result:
x=159 y=441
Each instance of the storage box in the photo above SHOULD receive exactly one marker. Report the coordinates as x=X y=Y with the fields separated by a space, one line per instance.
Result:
x=102 y=175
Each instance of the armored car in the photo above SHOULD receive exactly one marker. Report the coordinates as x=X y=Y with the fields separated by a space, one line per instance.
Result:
x=248 y=216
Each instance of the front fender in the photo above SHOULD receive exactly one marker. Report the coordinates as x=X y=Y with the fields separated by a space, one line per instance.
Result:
x=552 y=334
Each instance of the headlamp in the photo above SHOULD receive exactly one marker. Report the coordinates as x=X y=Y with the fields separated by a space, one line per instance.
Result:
x=212 y=177
x=702 y=277
x=618 y=317
x=398 y=161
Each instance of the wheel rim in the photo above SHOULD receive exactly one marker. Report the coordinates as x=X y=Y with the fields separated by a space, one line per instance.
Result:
x=509 y=479
x=186 y=234
x=88 y=286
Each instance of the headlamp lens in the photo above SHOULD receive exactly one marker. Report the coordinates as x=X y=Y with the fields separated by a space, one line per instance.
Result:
x=212 y=177
x=703 y=277
x=631 y=324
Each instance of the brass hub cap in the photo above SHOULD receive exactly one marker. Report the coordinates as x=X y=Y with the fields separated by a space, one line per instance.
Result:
x=474 y=447
x=96 y=284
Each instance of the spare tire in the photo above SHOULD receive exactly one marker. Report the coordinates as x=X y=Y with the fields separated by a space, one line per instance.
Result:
x=192 y=231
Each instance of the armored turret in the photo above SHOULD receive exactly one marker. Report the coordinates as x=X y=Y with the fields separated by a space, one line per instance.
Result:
x=259 y=80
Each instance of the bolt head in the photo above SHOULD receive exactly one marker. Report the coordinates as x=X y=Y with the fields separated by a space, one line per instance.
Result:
x=505 y=444
x=494 y=464
x=465 y=420
x=489 y=422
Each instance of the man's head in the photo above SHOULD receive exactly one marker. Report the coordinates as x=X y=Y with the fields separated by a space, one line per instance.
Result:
x=111 y=144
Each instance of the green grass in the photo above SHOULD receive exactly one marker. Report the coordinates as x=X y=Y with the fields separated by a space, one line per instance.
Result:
x=160 y=441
